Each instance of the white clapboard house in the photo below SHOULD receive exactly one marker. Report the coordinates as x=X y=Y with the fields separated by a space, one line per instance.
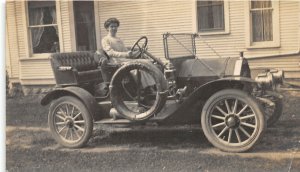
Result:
x=268 y=32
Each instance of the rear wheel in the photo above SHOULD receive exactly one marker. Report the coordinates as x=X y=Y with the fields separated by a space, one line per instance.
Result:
x=70 y=123
x=232 y=120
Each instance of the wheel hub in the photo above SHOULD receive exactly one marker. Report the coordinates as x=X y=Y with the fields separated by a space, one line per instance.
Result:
x=232 y=121
x=69 y=122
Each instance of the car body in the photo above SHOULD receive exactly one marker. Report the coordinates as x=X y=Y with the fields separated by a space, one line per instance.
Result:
x=216 y=93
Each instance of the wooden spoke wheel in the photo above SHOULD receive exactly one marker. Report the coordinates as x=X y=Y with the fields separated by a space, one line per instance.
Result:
x=232 y=120
x=70 y=122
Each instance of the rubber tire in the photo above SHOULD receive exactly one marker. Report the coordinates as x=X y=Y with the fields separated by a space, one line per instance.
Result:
x=85 y=113
x=276 y=114
x=115 y=95
x=246 y=98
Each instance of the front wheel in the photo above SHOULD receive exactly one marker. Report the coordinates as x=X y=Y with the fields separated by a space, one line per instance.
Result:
x=70 y=122
x=232 y=120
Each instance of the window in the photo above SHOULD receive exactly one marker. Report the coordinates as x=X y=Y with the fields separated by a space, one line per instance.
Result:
x=210 y=15
x=263 y=28
x=85 y=25
x=43 y=27
x=261 y=16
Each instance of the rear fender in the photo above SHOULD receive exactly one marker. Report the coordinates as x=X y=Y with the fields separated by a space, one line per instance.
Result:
x=208 y=89
x=83 y=95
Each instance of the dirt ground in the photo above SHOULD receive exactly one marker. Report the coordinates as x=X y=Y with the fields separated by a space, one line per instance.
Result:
x=30 y=147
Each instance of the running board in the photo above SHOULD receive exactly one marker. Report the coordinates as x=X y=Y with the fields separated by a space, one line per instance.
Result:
x=170 y=108
x=114 y=121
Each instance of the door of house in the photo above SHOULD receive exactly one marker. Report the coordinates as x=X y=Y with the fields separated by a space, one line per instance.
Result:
x=84 y=20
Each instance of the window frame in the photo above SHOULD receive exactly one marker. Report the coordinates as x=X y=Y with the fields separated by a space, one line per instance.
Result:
x=28 y=32
x=212 y=32
x=275 y=25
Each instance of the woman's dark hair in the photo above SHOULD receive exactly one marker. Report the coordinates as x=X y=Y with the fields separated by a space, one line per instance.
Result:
x=110 y=21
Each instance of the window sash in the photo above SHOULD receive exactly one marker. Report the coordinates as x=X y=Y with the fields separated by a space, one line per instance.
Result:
x=42 y=27
x=209 y=3
x=37 y=13
x=261 y=9
x=261 y=13
x=261 y=4
x=211 y=16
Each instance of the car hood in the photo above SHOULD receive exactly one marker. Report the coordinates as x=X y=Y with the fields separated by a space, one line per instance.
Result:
x=209 y=67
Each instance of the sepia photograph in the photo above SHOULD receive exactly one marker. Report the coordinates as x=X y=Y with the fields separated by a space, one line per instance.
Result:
x=152 y=85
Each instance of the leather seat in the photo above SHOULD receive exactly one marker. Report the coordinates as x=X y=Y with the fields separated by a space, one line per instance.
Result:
x=75 y=68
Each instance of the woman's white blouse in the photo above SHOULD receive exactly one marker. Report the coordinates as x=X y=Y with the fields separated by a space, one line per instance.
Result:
x=114 y=47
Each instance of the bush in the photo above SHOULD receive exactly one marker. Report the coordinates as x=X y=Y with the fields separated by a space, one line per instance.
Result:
x=7 y=83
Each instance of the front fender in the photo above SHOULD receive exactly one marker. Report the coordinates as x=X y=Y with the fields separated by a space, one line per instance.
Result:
x=83 y=95
x=237 y=78
x=209 y=88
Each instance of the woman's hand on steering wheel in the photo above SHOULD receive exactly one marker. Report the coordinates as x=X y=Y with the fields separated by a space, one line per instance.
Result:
x=134 y=54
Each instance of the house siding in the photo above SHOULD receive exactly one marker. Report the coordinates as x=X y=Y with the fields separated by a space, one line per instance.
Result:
x=19 y=13
x=229 y=45
x=66 y=26
x=234 y=42
x=289 y=29
x=152 y=19
x=149 y=18
x=7 y=54
x=289 y=64
x=12 y=41
x=289 y=43
x=36 y=72
x=226 y=45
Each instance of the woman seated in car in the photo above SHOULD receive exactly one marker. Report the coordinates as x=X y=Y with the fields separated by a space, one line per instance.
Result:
x=116 y=50
x=112 y=45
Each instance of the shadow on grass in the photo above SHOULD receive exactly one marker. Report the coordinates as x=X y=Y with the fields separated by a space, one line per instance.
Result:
x=26 y=111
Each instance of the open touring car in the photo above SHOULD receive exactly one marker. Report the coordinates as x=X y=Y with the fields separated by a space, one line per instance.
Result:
x=216 y=93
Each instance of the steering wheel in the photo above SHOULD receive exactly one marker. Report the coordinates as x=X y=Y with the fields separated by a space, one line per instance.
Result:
x=141 y=48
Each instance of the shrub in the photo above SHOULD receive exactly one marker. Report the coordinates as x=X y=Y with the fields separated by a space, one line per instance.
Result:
x=7 y=83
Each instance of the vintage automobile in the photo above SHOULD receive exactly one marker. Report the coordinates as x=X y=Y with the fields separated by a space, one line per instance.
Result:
x=216 y=93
